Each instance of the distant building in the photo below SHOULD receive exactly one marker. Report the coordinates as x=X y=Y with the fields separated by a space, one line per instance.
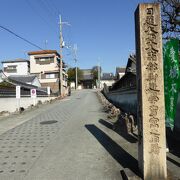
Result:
x=87 y=79
x=131 y=64
x=108 y=79
x=16 y=67
x=27 y=79
x=120 y=71
x=128 y=81
x=45 y=65
x=2 y=75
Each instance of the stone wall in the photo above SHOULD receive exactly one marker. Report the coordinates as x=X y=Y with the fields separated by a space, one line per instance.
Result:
x=126 y=100
x=118 y=118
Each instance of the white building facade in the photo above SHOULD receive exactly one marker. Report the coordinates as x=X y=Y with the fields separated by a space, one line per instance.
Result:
x=16 y=67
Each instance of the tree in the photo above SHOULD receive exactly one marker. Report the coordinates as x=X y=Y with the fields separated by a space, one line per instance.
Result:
x=72 y=74
x=170 y=12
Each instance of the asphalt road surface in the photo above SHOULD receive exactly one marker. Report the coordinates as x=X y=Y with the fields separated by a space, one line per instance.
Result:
x=57 y=142
x=67 y=140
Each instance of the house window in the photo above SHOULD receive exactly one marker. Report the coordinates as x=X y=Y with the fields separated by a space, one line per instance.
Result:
x=50 y=76
x=10 y=69
x=44 y=60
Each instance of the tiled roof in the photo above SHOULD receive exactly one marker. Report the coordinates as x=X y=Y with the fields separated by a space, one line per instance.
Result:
x=87 y=74
x=15 y=60
x=107 y=76
x=9 y=89
x=120 y=70
x=86 y=71
x=131 y=64
x=43 y=52
x=88 y=77
x=22 y=78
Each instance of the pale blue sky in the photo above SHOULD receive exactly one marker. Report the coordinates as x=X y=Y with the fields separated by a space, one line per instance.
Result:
x=102 y=29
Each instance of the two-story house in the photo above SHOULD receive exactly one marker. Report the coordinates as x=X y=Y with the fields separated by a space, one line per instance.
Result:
x=45 y=65
x=16 y=67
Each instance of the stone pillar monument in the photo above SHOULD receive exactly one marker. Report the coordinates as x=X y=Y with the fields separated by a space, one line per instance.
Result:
x=150 y=84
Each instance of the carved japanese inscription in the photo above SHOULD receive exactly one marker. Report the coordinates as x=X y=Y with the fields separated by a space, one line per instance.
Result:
x=151 y=112
x=152 y=90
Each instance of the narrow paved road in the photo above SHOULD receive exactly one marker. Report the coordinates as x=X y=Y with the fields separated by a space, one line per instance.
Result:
x=60 y=141
x=67 y=140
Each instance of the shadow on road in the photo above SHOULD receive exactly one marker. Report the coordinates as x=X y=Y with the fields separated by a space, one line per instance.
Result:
x=116 y=151
x=173 y=141
x=121 y=131
x=173 y=161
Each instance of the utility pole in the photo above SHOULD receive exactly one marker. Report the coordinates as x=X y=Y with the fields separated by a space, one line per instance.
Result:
x=61 y=89
x=99 y=74
x=60 y=63
x=46 y=42
x=75 y=59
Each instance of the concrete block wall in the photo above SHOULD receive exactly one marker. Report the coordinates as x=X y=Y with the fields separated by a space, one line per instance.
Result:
x=11 y=104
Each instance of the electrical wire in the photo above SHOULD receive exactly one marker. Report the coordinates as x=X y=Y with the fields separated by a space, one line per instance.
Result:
x=38 y=13
x=29 y=42
x=47 y=8
x=55 y=7
x=52 y=8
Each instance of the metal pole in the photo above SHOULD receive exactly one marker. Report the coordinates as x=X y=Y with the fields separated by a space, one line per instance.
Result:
x=99 y=75
x=75 y=58
x=60 y=65
x=76 y=77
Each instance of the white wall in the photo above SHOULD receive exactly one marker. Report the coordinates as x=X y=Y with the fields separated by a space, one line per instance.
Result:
x=22 y=68
x=48 y=80
x=1 y=77
x=107 y=82
x=121 y=75
x=72 y=85
x=11 y=104
x=36 y=82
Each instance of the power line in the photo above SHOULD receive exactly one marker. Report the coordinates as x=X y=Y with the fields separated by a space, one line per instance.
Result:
x=47 y=8
x=29 y=42
x=39 y=14
x=54 y=7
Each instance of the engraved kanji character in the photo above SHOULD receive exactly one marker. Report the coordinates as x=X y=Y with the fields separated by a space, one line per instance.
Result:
x=154 y=137
x=152 y=66
x=151 y=53
x=149 y=29
x=155 y=149
x=153 y=98
x=149 y=11
x=154 y=120
x=153 y=110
